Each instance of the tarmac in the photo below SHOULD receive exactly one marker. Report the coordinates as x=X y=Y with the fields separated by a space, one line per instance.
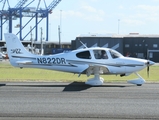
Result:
x=76 y=101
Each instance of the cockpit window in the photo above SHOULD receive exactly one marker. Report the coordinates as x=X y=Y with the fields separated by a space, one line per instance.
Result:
x=100 y=54
x=84 y=55
x=115 y=54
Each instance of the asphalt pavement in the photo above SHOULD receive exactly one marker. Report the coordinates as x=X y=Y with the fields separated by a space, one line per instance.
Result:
x=76 y=101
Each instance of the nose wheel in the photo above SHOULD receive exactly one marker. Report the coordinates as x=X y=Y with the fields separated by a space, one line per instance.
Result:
x=139 y=81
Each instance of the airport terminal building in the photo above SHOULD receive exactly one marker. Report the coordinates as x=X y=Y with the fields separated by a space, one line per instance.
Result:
x=133 y=45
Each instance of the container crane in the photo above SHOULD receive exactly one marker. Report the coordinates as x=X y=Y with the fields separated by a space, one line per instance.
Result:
x=9 y=14
x=16 y=12
x=3 y=15
x=20 y=12
x=40 y=13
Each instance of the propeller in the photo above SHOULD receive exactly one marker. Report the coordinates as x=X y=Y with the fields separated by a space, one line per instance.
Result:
x=149 y=63
x=148 y=69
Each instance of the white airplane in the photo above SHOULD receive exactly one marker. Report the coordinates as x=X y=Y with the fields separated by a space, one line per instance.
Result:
x=87 y=61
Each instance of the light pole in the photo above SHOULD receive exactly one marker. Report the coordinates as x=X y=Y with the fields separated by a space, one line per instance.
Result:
x=59 y=29
x=41 y=40
x=31 y=38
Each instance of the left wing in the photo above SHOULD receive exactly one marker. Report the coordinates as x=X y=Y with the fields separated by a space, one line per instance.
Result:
x=94 y=68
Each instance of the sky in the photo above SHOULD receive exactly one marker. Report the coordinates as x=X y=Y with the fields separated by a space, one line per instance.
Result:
x=87 y=17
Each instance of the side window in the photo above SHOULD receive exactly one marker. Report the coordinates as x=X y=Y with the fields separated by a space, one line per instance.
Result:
x=100 y=54
x=84 y=55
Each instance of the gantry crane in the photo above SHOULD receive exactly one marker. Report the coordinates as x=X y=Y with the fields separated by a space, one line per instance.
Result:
x=40 y=13
x=20 y=12
x=5 y=14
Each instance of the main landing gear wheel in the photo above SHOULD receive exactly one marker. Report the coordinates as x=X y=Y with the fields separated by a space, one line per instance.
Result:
x=96 y=81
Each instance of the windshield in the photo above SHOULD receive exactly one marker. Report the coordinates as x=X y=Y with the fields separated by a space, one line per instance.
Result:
x=115 y=54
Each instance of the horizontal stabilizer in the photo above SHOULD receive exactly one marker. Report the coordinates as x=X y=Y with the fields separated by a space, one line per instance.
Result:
x=24 y=62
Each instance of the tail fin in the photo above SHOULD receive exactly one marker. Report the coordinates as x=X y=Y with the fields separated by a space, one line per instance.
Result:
x=15 y=49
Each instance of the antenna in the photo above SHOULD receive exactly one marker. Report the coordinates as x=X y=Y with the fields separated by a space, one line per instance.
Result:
x=83 y=44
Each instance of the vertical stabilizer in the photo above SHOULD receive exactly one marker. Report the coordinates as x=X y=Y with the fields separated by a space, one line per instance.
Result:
x=15 y=48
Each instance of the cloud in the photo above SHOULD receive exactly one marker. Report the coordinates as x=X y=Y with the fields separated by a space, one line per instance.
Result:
x=140 y=15
x=85 y=12
x=149 y=12
x=156 y=0
x=94 y=18
x=148 y=8
x=92 y=13
x=67 y=14
x=133 y=22
x=71 y=13
x=89 y=9
x=121 y=7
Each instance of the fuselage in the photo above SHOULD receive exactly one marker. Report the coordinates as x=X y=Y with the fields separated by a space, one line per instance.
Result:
x=79 y=60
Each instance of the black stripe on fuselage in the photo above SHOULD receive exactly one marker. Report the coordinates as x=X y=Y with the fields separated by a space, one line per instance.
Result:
x=24 y=57
x=115 y=65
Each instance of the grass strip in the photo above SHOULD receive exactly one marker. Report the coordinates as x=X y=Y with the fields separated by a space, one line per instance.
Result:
x=12 y=74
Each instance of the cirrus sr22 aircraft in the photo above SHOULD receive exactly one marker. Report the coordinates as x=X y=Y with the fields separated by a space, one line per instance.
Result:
x=87 y=61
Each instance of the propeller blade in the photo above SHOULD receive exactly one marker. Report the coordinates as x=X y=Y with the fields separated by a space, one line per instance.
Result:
x=148 y=65
x=148 y=69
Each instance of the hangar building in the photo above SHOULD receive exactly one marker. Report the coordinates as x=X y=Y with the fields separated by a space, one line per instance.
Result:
x=49 y=47
x=133 y=45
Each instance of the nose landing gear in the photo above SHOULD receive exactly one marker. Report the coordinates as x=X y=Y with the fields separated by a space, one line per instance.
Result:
x=139 y=81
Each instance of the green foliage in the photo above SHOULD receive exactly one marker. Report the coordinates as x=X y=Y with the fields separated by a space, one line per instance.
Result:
x=9 y=73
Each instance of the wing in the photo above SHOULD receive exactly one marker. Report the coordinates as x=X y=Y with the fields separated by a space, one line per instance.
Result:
x=92 y=70
x=92 y=67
